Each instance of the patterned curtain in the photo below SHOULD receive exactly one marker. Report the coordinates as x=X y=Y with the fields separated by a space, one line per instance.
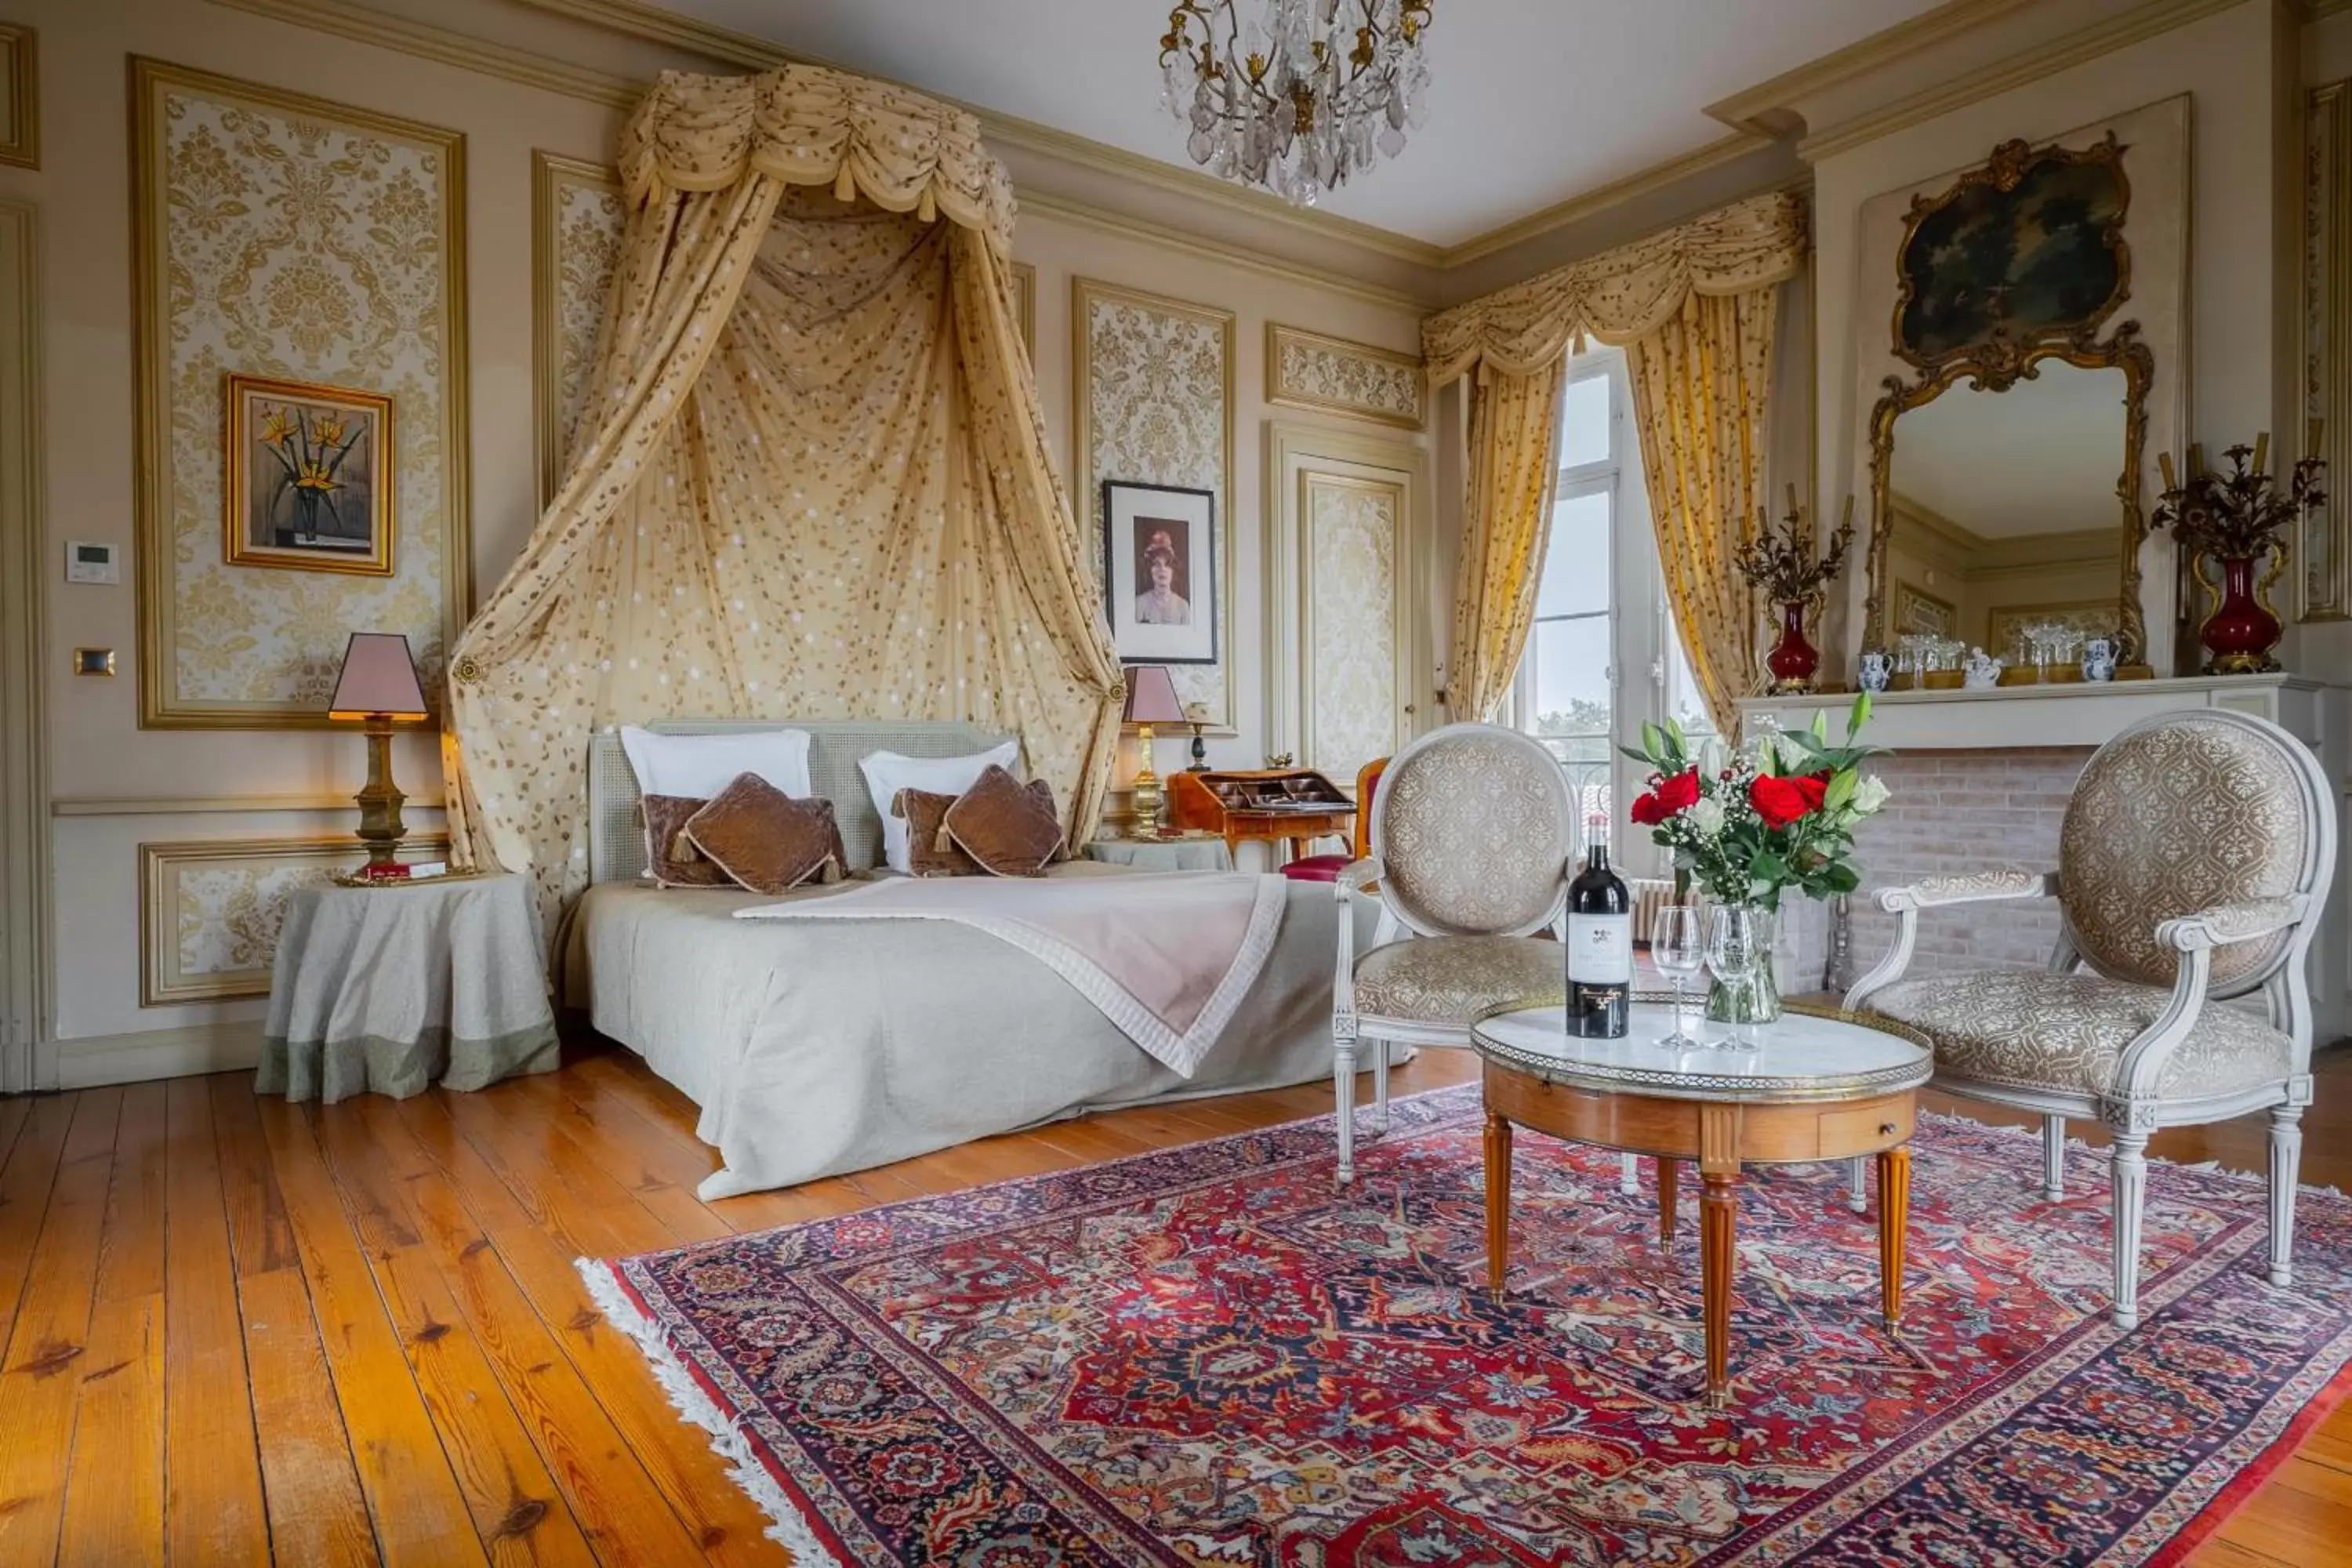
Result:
x=1699 y=382
x=1694 y=308
x=1514 y=459
x=810 y=478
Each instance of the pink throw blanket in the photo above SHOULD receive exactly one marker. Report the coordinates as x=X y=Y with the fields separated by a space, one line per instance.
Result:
x=1167 y=957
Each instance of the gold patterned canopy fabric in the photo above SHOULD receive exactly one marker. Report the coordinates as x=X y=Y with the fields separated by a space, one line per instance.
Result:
x=809 y=480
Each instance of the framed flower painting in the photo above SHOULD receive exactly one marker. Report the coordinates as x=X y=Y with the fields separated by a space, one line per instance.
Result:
x=308 y=483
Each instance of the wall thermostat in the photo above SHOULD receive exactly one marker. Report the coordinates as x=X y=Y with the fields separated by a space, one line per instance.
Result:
x=88 y=562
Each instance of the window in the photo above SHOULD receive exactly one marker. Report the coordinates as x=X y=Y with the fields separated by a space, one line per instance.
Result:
x=1600 y=610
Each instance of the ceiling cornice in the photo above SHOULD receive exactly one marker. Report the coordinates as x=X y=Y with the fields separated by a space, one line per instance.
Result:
x=1577 y=209
x=2140 y=22
x=1767 y=108
x=659 y=25
x=1167 y=237
x=463 y=51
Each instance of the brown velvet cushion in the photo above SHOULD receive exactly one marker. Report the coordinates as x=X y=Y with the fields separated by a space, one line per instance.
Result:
x=1009 y=828
x=767 y=841
x=929 y=851
x=670 y=854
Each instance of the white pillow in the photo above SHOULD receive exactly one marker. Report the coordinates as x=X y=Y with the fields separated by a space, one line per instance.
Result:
x=701 y=766
x=888 y=773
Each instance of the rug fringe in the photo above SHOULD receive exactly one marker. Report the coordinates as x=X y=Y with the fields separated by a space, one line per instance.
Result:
x=787 y=1526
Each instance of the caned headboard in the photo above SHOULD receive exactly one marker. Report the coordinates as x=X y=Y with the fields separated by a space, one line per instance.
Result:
x=617 y=837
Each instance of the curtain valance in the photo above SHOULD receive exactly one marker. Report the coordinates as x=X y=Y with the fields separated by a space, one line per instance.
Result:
x=806 y=125
x=1620 y=295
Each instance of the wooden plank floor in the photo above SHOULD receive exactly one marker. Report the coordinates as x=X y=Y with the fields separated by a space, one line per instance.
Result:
x=353 y=1333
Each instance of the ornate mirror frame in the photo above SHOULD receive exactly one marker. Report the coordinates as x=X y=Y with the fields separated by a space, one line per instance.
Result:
x=1891 y=376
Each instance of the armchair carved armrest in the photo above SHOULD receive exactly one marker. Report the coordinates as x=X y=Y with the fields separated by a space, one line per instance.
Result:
x=1353 y=880
x=2006 y=882
x=2225 y=923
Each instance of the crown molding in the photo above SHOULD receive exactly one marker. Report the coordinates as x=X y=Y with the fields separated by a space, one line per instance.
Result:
x=1168 y=237
x=426 y=41
x=1600 y=198
x=2314 y=10
x=2127 y=28
x=1767 y=108
x=659 y=25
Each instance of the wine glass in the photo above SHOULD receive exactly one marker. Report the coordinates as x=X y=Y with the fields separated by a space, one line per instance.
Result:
x=1676 y=950
x=1733 y=943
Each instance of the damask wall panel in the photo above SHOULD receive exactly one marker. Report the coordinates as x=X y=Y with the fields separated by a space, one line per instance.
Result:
x=1152 y=398
x=211 y=909
x=1308 y=370
x=289 y=238
x=575 y=241
x=1350 y=613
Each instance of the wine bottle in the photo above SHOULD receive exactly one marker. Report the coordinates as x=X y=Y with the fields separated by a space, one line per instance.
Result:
x=1599 y=943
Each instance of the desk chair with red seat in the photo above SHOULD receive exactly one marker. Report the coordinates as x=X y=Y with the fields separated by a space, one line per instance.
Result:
x=1326 y=867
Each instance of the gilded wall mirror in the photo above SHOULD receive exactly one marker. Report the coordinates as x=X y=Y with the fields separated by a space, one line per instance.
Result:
x=2009 y=395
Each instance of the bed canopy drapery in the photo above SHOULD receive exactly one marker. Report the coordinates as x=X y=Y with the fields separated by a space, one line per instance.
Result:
x=1695 y=308
x=809 y=480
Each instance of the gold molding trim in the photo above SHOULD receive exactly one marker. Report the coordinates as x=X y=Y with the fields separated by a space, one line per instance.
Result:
x=1320 y=452
x=20 y=70
x=549 y=173
x=1280 y=392
x=1025 y=304
x=2325 y=593
x=2120 y=31
x=161 y=983
x=463 y=51
x=27 y=914
x=190 y=804
x=150 y=328
x=1085 y=485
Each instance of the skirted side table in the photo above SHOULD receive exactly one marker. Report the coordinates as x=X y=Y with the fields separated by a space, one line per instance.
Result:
x=388 y=990
x=1204 y=854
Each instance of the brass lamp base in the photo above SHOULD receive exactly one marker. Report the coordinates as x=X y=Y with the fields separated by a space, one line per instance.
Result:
x=381 y=828
x=1146 y=798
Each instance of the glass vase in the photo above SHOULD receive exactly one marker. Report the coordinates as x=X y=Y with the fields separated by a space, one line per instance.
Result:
x=1748 y=993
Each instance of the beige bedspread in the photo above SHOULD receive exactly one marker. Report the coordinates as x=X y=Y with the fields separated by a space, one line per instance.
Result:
x=819 y=1047
x=1168 y=961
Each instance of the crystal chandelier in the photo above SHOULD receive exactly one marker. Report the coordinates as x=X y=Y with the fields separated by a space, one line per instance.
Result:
x=1302 y=101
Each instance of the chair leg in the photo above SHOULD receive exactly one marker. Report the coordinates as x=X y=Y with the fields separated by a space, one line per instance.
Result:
x=1857 y=1173
x=1343 y=1089
x=2287 y=1158
x=2130 y=1196
x=2053 y=1157
x=1381 y=1085
x=1628 y=1175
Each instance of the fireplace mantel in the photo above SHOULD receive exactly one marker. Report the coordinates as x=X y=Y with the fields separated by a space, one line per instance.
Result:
x=2074 y=714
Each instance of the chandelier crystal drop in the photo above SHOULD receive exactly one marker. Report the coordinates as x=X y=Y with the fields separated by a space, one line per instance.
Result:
x=1298 y=102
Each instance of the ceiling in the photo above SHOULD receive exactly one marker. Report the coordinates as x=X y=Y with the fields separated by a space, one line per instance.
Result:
x=1532 y=103
x=2060 y=444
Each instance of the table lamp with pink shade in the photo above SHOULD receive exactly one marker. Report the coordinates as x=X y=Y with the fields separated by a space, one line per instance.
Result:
x=378 y=687
x=1150 y=700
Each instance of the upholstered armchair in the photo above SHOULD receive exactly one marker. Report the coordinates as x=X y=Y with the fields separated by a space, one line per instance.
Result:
x=1473 y=846
x=2193 y=862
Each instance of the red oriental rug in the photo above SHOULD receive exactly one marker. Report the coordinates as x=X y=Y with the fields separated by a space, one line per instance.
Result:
x=1209 y=1355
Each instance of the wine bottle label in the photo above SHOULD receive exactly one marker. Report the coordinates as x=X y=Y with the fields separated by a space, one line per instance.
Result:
x=1601 y=950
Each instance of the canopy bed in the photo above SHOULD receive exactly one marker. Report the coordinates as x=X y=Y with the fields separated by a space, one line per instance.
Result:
x=812 y=480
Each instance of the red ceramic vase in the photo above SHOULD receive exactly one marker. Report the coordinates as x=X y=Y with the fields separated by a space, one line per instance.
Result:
x=2240 y=635
x=1792 y=660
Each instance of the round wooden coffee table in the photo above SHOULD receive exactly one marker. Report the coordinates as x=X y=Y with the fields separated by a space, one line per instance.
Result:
x=1822 y=1086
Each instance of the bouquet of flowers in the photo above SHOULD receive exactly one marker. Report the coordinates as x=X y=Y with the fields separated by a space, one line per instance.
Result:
x=1776 y=813
x=2243 y=513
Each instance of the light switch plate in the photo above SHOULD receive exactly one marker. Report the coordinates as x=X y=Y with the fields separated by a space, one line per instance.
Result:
x=90 y=562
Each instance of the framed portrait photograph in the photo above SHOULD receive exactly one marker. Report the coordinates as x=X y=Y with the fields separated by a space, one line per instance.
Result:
x=1160 y=572
x=309 y=479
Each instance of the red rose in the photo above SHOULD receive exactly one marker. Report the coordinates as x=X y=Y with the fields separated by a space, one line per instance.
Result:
x=1647 y=812
x=1679 y=792
x=1780 y=802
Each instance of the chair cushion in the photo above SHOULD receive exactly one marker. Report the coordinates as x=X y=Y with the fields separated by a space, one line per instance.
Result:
x=2025 y=1029
x=1453 y=979
x=1315 y=868
x=1473 y=825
